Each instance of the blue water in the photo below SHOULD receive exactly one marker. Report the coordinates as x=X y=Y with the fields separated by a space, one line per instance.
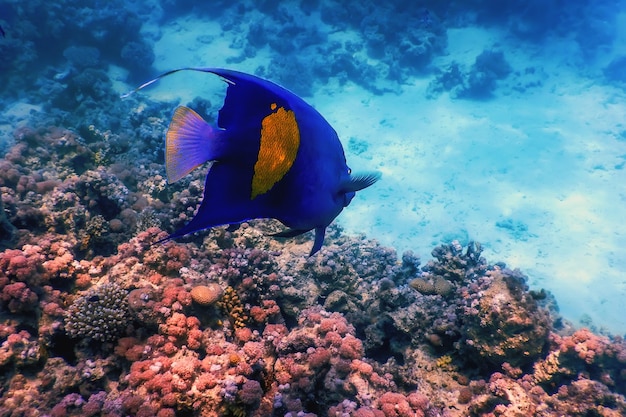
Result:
x=500 y=122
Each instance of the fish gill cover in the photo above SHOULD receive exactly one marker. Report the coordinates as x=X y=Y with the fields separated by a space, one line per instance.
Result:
x=500 y=122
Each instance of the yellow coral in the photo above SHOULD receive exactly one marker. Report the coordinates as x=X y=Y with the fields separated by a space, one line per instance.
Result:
x=101 y=157
x=233 y=359
x=545 y=370
x=233 y=410
x=444 y=361
x=231 y=304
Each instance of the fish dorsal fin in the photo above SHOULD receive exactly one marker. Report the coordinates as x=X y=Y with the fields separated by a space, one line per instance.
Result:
x=359 y=181
x=186 y=143
x=249 y=98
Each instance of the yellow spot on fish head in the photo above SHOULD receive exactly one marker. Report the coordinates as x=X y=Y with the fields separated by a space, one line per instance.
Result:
x=280 y=140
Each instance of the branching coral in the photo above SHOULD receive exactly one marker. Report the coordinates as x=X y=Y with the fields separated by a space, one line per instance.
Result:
x=101 y=314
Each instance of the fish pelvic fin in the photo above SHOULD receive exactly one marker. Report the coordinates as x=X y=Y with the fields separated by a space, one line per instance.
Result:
x=359 y=181
x=320 y=232
x=187 y=143
x=290 y=233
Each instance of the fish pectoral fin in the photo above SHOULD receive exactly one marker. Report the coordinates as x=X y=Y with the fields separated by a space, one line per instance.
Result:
x=188 y=143
x=360 y=181
x=320 y=232
x=290 y=233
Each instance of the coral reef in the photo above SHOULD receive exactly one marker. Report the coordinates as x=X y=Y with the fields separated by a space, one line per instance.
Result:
x=479 y=82
x=78 y=38
x=502 y=321
x=236 y=323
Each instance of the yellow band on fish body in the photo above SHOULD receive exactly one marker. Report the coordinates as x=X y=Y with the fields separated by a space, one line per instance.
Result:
x=280 y=140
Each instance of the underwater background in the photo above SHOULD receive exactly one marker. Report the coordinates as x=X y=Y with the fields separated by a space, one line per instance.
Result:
x=493 y=122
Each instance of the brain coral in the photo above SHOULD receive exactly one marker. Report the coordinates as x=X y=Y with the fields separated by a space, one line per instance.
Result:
x=423 y=286
x=439 y=286
x=207 y=295
x=102 y=314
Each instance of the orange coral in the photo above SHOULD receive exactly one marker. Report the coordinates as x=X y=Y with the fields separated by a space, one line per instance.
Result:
x=206 y=295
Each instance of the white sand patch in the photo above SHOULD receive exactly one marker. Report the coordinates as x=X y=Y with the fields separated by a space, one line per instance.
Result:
x=16 y=115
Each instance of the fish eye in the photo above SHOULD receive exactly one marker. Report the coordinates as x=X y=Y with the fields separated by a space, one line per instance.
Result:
x=349 y=171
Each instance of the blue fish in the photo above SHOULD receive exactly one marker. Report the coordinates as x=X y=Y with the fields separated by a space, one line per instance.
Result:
x=271 y=155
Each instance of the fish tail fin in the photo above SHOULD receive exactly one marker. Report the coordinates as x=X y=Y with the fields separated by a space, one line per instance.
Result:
x=187 y=143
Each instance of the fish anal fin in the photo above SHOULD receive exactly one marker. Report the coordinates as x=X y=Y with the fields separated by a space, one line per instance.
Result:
x=188 y=143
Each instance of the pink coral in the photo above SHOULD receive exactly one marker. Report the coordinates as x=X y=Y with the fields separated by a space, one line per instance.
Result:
x=130 y=348
x=319 y=358
x=177 y=257
x=268 y=308
x=19 y=298
x=185 y=367
x=166 y=412
x=351 y=347
x=23 y=265
x=396 y=405
x=61 y=263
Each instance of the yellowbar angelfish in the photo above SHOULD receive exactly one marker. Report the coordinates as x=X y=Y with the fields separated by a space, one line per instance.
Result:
x=272 y=156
